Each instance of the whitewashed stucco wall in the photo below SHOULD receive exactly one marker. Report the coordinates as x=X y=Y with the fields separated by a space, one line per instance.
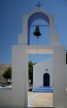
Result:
x=66 y=76
x=38 y=71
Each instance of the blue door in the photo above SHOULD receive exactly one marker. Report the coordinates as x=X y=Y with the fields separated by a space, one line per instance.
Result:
x=46 y=79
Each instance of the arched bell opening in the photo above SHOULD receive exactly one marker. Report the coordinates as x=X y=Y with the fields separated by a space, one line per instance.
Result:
x=41 y=30
x=46 y=79
x=34 y=17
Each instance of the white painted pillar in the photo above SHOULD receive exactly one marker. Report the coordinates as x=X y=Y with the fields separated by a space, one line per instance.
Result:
x=52 y=29
x=26 y=79
x=59 y=77
x=19 y=78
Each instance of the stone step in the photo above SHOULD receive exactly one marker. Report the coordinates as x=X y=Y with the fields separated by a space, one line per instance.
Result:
x=43 y=89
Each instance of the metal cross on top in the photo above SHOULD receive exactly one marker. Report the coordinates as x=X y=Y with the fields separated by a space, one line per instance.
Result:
x=39 y=4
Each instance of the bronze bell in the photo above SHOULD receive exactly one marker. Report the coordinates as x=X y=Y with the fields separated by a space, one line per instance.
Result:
x=37 y=32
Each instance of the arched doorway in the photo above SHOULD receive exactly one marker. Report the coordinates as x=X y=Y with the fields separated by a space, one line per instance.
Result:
x=46 y=79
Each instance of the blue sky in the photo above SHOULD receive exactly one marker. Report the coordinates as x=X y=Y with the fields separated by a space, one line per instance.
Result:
x=37 y=58
x=11 y=12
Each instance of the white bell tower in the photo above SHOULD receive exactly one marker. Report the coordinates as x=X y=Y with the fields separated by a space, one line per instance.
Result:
x=24 y=38
x=18 y=95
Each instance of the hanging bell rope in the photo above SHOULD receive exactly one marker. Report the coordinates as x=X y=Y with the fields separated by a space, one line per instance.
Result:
x=37 y=32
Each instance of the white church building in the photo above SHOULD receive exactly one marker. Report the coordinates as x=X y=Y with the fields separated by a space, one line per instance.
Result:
x=43 y=74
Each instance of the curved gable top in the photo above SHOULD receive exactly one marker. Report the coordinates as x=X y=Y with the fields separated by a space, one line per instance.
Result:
x=38 y=14
x=38 y=10
x=35 y=15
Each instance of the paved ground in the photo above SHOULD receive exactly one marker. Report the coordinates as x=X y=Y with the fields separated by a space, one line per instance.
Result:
x=40 y=99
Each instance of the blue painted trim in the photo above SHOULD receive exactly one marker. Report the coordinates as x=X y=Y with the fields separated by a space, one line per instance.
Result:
x=43 y=89
x=3 y=88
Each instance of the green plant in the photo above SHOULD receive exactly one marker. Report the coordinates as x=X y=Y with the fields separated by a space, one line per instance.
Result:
x=7 y=73
x=30 y=71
